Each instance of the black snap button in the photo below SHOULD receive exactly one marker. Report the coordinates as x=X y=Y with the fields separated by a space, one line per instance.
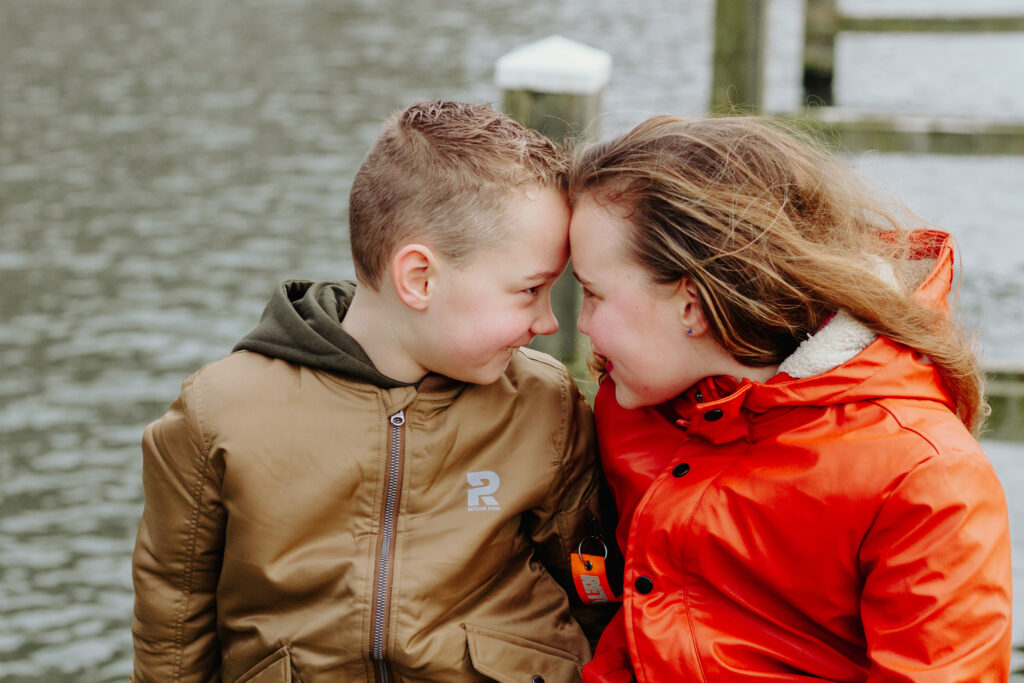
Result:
x=643 y=585
x=538 y=679
x=714 y=414
x=680 y=469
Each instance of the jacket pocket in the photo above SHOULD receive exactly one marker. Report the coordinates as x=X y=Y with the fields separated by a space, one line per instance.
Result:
x=510 y=659
x=276 y=668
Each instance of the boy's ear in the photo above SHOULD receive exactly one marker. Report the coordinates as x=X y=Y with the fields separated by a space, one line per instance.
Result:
x=690 y=312
x=413 y=272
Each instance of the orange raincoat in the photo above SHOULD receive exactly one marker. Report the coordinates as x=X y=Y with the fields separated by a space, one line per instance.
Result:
x=844 y=526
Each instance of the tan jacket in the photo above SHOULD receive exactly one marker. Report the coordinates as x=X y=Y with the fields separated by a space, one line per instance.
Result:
x=304 y=526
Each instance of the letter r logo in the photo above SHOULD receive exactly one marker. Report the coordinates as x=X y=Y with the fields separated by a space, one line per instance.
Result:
x=484 y=484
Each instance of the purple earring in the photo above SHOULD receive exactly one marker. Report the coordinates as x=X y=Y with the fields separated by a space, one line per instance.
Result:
x=689 y=331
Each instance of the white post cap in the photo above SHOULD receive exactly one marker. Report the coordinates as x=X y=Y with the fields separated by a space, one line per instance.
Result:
x=554 y=65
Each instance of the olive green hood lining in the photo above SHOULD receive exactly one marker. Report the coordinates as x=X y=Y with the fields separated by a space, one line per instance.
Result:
x=302 y=324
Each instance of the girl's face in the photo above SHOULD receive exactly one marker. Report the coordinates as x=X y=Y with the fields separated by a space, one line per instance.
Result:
x=639 y=327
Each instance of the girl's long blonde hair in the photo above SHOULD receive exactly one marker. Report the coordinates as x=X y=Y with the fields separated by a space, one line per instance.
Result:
x=776 y=234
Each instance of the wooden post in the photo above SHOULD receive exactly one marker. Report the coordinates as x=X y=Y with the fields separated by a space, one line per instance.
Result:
x=1004 y=390
x=738 y=76
x=554 y=86
x=821 y=23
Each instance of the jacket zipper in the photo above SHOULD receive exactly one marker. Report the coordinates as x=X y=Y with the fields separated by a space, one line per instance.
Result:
x=385 y=551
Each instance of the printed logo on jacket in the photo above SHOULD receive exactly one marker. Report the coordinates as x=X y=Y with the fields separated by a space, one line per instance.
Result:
x=482 y=487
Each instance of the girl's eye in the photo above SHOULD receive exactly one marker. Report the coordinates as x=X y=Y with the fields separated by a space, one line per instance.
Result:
x=587 y=293
x=531 y=290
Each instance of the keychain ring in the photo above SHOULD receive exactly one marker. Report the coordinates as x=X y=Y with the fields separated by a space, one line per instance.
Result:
x=579 y=548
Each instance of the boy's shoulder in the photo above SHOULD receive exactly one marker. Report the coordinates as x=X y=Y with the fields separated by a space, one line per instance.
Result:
x=541 y=380
x=241 y=370
x=530 y=365
x=247 y=377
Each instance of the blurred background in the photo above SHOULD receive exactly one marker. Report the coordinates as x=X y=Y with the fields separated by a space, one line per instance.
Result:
x=163 y=165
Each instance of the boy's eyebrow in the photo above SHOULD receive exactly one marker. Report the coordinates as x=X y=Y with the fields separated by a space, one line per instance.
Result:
x=544 y=275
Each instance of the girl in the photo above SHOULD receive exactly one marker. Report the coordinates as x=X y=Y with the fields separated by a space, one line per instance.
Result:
x=786 y=419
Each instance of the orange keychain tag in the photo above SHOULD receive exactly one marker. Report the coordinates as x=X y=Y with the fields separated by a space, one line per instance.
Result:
x=590 y=576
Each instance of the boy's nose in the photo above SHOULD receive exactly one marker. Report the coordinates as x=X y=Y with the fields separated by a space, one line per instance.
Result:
x=546 y=322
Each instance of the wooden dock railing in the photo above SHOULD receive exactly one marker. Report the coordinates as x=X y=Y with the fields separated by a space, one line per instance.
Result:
x=924 y=134
x=738 y=87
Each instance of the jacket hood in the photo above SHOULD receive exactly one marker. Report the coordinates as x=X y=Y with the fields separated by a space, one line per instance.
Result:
x=302 y=324
x=844 y=362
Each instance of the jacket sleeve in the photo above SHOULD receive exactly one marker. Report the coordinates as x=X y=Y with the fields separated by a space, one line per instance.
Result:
x=177 y=558
x=577 y=505
x=936 y=599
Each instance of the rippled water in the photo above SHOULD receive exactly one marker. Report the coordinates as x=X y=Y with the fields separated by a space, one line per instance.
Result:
x=162 y=165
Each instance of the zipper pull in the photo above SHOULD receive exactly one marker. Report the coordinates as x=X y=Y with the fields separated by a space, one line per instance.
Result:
x=398 y=419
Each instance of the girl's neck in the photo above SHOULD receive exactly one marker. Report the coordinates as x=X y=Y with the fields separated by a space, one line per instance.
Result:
x=720 y=362
x=761 y=374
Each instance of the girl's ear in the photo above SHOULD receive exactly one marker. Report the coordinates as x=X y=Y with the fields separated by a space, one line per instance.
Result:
x=691 y=315
x=413 y=272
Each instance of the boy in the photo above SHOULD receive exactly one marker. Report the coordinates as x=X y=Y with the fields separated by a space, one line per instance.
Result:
x=362 y=491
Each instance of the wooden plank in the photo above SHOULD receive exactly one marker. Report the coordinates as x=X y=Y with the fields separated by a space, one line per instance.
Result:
x=855 y=131
x=926 y=24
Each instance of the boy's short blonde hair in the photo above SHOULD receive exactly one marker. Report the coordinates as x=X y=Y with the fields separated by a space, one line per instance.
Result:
x=440 y=172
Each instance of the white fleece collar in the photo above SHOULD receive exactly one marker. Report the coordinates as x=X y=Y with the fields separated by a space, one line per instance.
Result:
x=841 y=338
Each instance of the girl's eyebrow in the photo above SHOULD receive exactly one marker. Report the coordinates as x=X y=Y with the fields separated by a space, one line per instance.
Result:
x=581 y=280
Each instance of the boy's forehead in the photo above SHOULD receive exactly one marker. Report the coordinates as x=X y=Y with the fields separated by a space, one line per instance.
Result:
x=533 y=236
x=530 y=258
x=526 y=207
x=532 y=193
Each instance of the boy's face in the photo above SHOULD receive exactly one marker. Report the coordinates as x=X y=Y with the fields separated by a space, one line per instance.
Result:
x=483 y=311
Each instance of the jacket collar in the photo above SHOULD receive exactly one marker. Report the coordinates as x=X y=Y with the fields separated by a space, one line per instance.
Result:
x=845 y=362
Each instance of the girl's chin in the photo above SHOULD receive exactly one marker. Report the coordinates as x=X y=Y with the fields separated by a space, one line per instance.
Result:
x=627 y=399
x=631 y=400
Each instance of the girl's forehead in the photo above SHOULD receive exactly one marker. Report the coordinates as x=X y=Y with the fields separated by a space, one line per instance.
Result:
x=609 y=196
x=598 y=240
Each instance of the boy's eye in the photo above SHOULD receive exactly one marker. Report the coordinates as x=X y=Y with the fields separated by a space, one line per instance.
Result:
x=587 y=293
x=532 y=290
